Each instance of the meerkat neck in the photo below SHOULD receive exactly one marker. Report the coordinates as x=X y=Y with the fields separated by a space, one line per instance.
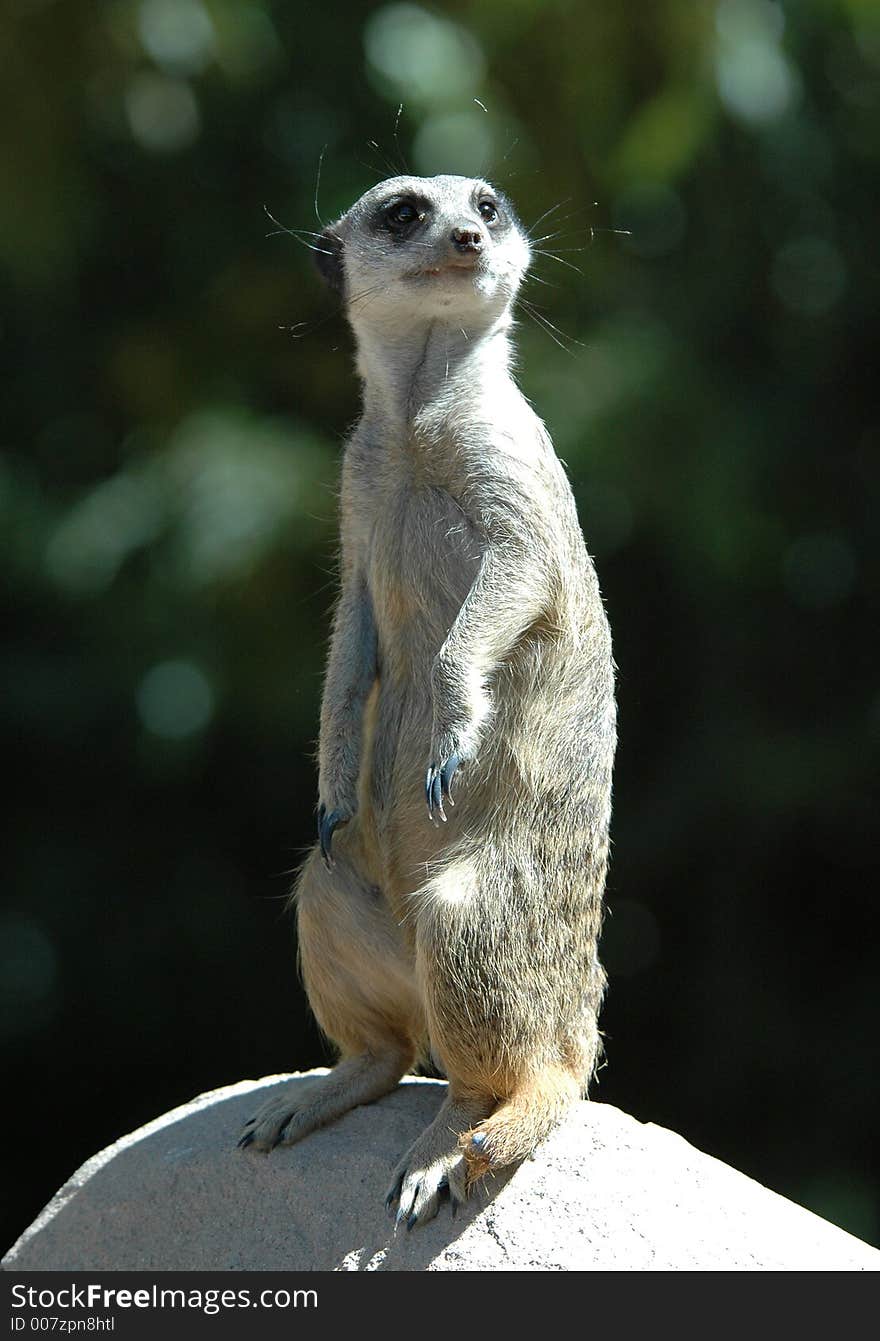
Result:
x=404 y=373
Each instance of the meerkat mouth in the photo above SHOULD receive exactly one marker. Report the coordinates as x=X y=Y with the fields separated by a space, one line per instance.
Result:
x=463 y=269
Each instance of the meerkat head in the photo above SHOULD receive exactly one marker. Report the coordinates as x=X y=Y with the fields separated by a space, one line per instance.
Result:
x=426 y=248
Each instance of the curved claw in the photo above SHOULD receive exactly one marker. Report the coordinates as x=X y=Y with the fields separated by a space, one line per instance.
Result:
x=279 y=1139
x=438 y=786
x=394 y=1193
x=326 y=825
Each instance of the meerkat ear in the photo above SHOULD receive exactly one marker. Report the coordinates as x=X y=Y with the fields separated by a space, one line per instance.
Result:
x=328 y=258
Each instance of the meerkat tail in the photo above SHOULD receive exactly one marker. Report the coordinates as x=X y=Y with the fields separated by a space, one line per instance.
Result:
x=520 y=1122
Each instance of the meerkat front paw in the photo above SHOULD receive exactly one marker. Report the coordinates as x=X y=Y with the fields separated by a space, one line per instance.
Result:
x=462 y=707
x=438 y=786
x=452 y=749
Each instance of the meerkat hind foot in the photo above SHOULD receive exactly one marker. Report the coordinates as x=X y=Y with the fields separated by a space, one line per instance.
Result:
x=297 y=1109
x=435 y=1165
x=419 y=1186
x=527 y=1117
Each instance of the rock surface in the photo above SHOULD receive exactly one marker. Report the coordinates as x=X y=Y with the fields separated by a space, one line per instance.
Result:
x=604 y=1193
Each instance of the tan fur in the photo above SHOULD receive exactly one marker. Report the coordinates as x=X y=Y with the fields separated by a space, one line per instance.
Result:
x=469 y=624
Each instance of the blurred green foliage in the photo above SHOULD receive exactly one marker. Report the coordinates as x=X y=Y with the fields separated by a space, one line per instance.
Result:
x=176 y=387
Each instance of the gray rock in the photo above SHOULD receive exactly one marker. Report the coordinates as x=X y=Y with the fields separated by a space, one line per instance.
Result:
x=605 y=1192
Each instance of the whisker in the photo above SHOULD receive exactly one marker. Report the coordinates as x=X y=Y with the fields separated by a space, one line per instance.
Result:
x=318 y=183
x=296 y=331
x=367 y=293
x=553 y=257
x=567 y=223
x=536 y=279
x=298 y=234
x=507 y=154
x=556 y=335
x=383 y=157
x=562 y=231
x=322 y=251
x=400 y=153
x=546 y=214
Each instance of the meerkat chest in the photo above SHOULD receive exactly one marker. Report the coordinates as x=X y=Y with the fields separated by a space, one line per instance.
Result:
x=423 y=557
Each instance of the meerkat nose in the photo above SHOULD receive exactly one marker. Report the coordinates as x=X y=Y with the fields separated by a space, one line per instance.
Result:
x=467 y=239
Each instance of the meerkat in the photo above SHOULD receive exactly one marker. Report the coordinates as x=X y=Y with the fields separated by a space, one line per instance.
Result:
x=452 y=904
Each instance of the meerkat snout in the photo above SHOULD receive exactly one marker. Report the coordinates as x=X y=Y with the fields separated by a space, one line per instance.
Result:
x=467 y=239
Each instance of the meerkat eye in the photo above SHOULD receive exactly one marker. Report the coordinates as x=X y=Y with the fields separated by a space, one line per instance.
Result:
x=401 y=214
x=488 y=210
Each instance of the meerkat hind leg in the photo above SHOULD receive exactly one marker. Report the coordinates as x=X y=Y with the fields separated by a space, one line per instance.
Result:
x=436 y=1162
x=303 y=1106
x=361 y=989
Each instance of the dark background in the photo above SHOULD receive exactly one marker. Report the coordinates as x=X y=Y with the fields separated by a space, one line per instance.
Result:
x=169 y=456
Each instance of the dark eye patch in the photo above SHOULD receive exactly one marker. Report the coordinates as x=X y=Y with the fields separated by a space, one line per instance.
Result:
x=400 y=216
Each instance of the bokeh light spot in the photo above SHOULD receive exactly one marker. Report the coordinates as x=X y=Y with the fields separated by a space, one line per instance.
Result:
x=162 y=113
x=248 y=44
x=178 y=34
x=175 y=700
x=756 y=81
x=237 y=484
x=424 y=57
x=91 y=543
